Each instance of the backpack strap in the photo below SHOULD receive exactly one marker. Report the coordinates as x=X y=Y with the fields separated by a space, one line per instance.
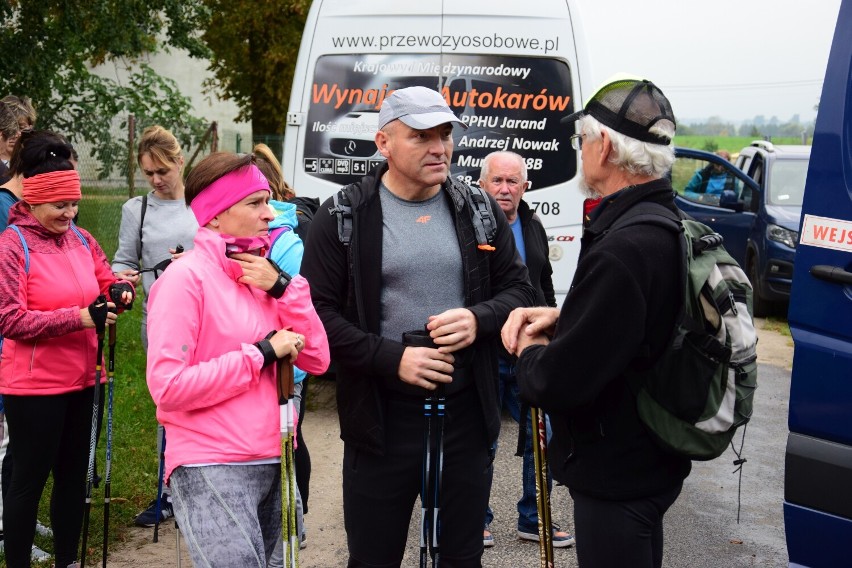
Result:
x=343 y=210
x=656 y=214
x=141 y=223
x=26 y=248
x=80 y=236
x=647 y=213
x=481 y=214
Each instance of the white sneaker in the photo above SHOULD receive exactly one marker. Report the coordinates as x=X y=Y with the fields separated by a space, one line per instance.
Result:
x=561 y=539
x=44 y=531
x=38 y=554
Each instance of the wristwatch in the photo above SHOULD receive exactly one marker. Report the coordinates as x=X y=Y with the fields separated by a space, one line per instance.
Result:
x=281 y=282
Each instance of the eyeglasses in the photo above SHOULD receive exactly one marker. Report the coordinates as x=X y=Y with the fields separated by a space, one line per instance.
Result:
x=577 y=141
x=511 y=182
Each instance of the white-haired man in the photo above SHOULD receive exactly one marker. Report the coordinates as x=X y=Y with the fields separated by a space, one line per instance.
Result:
x=615 y=321
x=504 y=177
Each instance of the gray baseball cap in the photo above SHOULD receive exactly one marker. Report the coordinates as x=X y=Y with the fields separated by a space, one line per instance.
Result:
x=420 y=108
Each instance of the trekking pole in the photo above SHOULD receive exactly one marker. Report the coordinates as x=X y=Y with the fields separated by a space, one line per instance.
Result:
x=289 y=529
x=545 y=522
x=99 y=315
x=108 y=467
x=425 y=486
x=439 y=471
x=177 y=543
x=161 y=446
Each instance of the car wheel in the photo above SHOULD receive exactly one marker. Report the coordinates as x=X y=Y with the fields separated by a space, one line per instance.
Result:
x=760 y=305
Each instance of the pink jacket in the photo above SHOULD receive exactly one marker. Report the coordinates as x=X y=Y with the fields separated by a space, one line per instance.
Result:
x=204 y=373
x=46 y=351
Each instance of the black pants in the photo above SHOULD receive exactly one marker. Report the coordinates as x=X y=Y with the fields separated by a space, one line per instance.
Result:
x=612 y=534
x=379 y=492
x=51 y=434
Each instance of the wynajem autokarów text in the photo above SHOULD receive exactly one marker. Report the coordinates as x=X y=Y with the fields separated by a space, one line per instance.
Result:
x=508 y=103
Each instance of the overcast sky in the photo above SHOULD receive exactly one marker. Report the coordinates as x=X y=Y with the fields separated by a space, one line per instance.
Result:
x=729 y=58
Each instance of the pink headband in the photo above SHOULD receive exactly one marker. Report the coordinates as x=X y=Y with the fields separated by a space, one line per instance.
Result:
x=226 y=191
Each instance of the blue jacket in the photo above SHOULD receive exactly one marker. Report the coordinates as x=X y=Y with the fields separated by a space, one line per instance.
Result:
x=287 y=248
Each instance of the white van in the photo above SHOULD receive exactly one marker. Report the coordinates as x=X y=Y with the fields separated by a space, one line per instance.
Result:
x=509 y=69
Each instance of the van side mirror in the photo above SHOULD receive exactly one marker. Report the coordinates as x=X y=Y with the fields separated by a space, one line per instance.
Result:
x=729 y=200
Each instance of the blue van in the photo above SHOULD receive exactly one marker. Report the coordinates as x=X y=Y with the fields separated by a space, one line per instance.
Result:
x=759 y=221
x=818 y=462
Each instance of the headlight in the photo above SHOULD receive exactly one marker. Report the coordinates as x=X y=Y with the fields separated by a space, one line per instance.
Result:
x=782 y=235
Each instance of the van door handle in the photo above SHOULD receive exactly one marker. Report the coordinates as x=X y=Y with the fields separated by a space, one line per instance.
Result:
x=833 y=274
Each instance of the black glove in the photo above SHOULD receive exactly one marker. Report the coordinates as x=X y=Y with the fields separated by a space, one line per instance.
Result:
x=98 y=312
x=115 y=292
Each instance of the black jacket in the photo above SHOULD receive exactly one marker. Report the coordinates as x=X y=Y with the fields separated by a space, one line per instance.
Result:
x=538 y=252
x=496 y=282
x=618 y=316
x=306 y=208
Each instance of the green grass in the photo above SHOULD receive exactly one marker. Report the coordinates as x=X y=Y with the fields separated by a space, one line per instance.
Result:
x=732 y=144
x=778 y=325
x=134 y=453
x=685 y=168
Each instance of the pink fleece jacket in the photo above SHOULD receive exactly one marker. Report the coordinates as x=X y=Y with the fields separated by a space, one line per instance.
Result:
x=46 y=350
x=217 y=403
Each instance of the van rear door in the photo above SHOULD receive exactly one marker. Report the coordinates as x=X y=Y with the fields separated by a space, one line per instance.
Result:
x=509 y=70
x=818 y=466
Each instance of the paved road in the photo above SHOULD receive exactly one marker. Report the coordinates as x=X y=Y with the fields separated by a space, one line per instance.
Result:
x=701 y=528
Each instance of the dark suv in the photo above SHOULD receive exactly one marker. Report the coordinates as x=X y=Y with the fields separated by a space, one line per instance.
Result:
x=759 y=221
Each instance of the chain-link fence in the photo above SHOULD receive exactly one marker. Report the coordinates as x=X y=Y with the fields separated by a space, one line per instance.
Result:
x=106 y=189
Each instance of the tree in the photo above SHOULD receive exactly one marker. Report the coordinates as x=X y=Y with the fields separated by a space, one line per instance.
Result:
x=50 y=47
x=254 y=49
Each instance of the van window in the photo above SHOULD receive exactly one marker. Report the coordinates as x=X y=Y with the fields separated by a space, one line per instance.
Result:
x=787 y=183
x=508 y=103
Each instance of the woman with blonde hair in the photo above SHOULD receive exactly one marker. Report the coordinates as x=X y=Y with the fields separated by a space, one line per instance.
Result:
x=153 y=226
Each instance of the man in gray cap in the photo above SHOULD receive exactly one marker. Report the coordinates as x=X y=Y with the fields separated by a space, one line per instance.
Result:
x=406 y=247
x=614 y=324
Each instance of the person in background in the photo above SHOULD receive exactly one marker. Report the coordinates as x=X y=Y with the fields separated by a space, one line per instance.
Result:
x=220 y=319
x=710 y=181
x=9 y=133
x=286 y=250
x=50 y=307
x=152 y=227
x=616 y=320
x=12 y=189
x=504 y=176
x=415 y=262
x=17 y=115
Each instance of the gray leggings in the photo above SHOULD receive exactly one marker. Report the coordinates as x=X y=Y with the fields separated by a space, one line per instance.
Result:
x=230 y=515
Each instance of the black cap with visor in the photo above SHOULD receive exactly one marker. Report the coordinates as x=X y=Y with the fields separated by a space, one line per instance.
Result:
x=631 y=106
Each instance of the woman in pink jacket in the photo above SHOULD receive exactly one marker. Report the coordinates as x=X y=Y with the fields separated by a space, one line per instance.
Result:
x=219 y=319
x=51 y=276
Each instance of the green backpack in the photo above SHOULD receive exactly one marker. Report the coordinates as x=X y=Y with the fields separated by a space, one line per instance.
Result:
x=701 y=389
